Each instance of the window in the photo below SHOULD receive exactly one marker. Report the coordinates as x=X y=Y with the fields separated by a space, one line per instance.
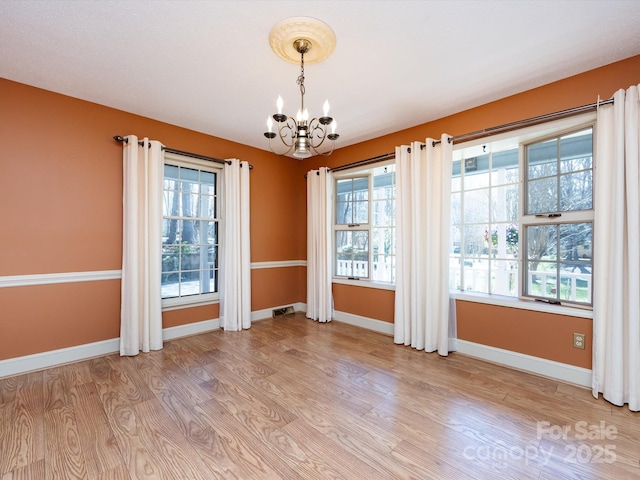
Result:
x=364 y=226
x=484 y=211
x=558 y=219
x=190 y=230
x=522 y=215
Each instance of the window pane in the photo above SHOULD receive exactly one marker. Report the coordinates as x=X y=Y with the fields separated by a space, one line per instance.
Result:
x=542 y=159
x=456 y=208
x=542 y=243
x=456 y=183
x=476 y=179
x=476 y=206
x=542 y=196
x=575 y=242
x=189 y=175
x=474 y=240
x=504 y=239
x=383 y=254
x=504 y=204
x=576 y=191
x=361 y=212
x=476 y=275
x=576 y=151
x=170 y=233
x=504 y=167
x=344 y=215
x=212 y=233
x=208 y=179
x=384 y=181
x=384 y=213
x=456 y=240
x=504 y=277
x=170 y=172
x=352 y=253
x=542 y=280
x=575 y=282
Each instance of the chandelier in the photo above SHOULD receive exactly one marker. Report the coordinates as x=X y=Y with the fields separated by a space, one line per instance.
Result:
x=300 y=134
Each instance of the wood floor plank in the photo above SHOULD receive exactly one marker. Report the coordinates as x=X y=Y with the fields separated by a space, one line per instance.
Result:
x=249 y=456
x=65 y=457
x=56 y=389
x=98 y=440
x=32 y=471
x=22 y=431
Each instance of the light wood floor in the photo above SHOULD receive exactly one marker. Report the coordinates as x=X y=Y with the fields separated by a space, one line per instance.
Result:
x=291 y=398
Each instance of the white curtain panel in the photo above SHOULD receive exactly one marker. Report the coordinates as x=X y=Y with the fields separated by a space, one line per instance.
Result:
x=235 y=266
x=141 y=299
x=319 y=197
x=423 y=211
x=616 y=303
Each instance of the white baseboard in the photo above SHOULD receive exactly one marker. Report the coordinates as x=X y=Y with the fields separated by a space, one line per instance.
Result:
x=39 y=361
x=52 y=358
x=364 y=322
x=541 y=366
x=172 y=333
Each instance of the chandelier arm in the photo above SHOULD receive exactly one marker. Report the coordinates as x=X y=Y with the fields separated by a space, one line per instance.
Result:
x=286 y=152
x=317 y=131
x=287 y=132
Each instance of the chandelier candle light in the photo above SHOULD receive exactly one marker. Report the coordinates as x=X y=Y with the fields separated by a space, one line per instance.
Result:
x=313 y=38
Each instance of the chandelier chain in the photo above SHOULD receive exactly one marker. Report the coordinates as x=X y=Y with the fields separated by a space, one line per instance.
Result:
x=300 y=80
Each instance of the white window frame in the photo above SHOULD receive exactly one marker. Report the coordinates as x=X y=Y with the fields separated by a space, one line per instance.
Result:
x=358 y=172
x=212 y=167
x=549 y=218
x=529 y=135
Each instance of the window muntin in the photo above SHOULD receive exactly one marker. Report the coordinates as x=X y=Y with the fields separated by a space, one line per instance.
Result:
x=190 y=230
x=364 y=226
x=538 y=228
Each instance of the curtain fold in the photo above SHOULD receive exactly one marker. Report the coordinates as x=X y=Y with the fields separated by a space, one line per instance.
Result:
x=616 y=304
x=235 y=262
x=319 y=198
x=141 y=299
x=423 y=210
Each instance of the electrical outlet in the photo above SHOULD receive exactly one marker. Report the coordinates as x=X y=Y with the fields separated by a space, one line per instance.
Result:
x=578 y=340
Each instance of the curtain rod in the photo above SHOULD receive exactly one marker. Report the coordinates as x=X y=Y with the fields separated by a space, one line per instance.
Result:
x=507 y=127
x=529 y=122
x=360 y=163
x=120 y=138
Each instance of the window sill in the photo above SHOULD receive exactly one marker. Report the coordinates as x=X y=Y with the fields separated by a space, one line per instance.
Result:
x=520 y=303
x=180 y=303
x=364 y=283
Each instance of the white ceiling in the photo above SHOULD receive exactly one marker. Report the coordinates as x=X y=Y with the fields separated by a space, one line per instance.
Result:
x=206 y=64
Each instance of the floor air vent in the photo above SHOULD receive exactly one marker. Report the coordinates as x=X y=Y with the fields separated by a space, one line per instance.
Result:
x=278 y=312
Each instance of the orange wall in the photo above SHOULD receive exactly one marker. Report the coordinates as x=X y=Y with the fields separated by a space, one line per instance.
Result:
x=496 y=326
x=61 y=201
x=539 y=334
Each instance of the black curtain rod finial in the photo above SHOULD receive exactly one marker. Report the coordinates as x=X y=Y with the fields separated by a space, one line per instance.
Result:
x=120 y=138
